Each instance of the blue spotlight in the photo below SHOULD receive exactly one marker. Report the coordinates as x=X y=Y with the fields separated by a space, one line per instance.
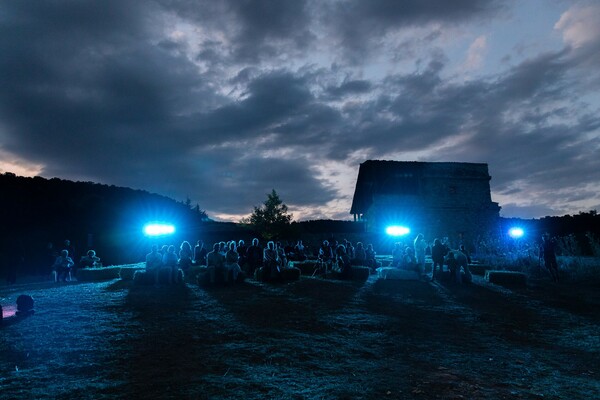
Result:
x=158 y=229
x=397 y=230
x=515 y=233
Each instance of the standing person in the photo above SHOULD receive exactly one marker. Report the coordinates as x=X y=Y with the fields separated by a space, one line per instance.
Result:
x=420 y=246
x=548 y=253
x=254 y=257
x=438 y=252
x=200 y=253
x=231 y=263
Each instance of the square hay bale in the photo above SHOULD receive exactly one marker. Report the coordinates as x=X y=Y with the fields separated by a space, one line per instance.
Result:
x=306 y=267
x=479 y=269
x=506 y=278
x=194 y=272
x=360 y=273
x=98 y=274
x=390 y=273
x=126 y=273
x=291 y=274
x=144 y=278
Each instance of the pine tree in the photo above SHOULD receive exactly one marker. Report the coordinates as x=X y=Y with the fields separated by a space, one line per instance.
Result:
x=272 y=219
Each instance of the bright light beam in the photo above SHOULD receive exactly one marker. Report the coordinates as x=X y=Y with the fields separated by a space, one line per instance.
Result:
x=397 y=230
x=157 y=229
x=515 y=233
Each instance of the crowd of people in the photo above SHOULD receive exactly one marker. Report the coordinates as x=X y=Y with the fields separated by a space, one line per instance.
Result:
x=226 y=260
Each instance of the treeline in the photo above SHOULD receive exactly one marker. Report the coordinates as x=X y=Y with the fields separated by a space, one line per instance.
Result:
x=37 y=211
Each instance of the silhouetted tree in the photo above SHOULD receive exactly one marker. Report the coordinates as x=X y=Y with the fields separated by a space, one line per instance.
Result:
x=272 y=219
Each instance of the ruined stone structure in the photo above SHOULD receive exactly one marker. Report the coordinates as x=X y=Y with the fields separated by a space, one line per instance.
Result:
x=438 y=199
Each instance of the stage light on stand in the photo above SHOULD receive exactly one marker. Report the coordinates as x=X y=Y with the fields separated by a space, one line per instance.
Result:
x=516 y=232
x=158 y=229
x=396 y=230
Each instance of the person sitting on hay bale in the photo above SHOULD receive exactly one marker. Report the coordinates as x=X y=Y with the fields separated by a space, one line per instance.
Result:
x=62 y=266
x=89 y=260
x=200 y=253
x=153 y=263
x=457 y=261
x=231 y=263
x=271 y=267
x=214 y=260
x=370 y=259
x=170 y=262
x=360 y=257
x=254 y=257
x=344 y=267
x=185 y=256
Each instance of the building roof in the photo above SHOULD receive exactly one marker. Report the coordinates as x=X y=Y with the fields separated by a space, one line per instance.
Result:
x=402 y=177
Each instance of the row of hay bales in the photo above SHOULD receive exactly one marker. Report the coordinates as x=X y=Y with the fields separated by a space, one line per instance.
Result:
x=310 y=267
x=124 y=272
x=499 y=277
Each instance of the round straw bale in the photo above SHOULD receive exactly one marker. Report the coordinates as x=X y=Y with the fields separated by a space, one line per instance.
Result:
x=479 y=269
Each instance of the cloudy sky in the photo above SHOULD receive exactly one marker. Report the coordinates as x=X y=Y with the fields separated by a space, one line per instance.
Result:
x=222 y=101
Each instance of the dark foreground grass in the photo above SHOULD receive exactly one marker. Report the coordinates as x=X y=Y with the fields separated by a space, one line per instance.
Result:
x=309 y=339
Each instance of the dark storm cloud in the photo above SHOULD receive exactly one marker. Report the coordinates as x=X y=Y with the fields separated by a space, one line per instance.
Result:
x=224 y=101
x=360 y=25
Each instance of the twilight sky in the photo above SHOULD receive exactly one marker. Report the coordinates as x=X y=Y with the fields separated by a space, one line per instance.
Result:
x=222 y=101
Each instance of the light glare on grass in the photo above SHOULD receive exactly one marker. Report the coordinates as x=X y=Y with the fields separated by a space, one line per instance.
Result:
x=397 y=230
x=515 y=233
x=156 y=229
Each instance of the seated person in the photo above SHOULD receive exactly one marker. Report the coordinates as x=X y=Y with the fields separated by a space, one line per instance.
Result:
x=62 y=266
x=153 y=263
x=231 y=263
x=170 y=261
x=343 y=262
x=89 y=260
x=397 y=255
x=185 y=255
x=360 y=257
x=214 y=260
x=271 y=267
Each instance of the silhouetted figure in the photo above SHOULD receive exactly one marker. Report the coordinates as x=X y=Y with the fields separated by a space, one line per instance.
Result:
x=214 y=260
x=200 y=253
x=62 y=266
x=360 y=256
x=548 y=253
x=343 y=262
x=153 y=263
x=254 y=257
x=231 y=263
x=90 y=260
x=271 y=269
x=185 y=256
x=420 y=247
x=170 y=261
x=438 y=252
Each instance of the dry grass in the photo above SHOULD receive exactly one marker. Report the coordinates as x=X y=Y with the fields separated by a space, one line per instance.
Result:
x=308 y=339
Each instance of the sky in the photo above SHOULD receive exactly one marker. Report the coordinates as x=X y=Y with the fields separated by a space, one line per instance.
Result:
x=223 y=101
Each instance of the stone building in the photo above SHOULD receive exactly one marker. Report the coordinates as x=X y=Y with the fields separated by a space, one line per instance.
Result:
x=438 y=199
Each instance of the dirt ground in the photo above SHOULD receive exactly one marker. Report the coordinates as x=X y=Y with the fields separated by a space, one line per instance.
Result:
x=310 y=339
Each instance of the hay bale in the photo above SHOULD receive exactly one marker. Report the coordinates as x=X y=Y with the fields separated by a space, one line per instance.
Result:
x=179 y=276
x=126 y=273
x=360 y=273
x=479 y=269
x=259 y=274
x=165 y=276
x=506 y=278
x=306 y=267
x=98 y=274
x=192 y=274
x=390 y=273
x=291 y=274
